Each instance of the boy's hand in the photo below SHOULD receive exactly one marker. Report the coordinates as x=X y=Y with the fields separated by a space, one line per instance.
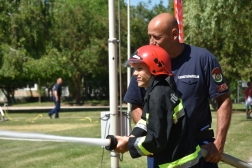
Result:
x=122 y=144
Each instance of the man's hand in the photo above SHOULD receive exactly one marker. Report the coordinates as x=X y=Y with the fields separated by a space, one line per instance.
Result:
x=122 y=144
x=215 y=152
x=57 y=99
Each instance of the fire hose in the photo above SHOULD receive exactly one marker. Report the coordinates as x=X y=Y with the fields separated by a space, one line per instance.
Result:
x=110 y=143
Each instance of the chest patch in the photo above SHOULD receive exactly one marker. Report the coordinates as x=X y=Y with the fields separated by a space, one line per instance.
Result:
x=174 y=98
x=216 y=74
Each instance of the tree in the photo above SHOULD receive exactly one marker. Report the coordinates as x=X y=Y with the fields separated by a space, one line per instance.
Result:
x=12 y=49
x=48 y=39
x=79 y=43
x=222 y=27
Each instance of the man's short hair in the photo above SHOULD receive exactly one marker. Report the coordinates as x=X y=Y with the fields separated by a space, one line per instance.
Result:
x=249 y=83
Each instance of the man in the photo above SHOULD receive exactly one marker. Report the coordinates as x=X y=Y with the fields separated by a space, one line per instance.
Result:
x=56 y=98
x=198 y=76
x=247 y=92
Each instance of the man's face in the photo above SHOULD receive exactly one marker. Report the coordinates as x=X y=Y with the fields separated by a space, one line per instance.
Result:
x=159 y=36
x=142 y=73
x=60 y=81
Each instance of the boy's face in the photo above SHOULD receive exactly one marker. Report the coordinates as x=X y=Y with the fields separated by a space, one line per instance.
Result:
x=142 y=73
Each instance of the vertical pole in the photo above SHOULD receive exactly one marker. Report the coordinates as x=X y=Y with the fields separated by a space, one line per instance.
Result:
x=128 y=47
x=238 y=92
x=120 y=67
x=39 y=90
x=113 y=86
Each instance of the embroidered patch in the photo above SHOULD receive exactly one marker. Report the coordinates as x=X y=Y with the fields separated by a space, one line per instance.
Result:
x=188 y=76
x=222 y=87
x=174 y=98
x=216 y=74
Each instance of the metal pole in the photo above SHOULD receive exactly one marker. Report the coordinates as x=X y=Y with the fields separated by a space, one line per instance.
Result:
x=120 y=67
x=238 y=92
x=128 y=47
x=113 y=86
x=39 y=89
x=229 y=160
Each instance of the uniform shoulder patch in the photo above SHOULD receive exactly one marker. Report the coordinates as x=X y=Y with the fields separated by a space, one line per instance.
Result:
x=174 y=98
x=222 y=87
x=216 y=74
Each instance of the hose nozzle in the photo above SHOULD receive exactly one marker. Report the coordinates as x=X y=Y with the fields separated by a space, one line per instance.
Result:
x=113 y=142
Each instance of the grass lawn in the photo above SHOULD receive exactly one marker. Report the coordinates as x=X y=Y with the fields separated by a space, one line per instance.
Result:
x=29 y=154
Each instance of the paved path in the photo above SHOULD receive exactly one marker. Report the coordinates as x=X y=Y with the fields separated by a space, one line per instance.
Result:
x=51 y=107
x=63 y=108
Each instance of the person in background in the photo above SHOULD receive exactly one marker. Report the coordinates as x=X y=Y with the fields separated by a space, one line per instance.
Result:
x=246 y=92
x=56 y=98
x=198 y=76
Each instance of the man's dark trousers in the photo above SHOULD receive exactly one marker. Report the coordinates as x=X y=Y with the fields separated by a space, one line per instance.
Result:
x=56 y=109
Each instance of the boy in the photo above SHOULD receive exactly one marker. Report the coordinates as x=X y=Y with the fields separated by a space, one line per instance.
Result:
x=163 y=131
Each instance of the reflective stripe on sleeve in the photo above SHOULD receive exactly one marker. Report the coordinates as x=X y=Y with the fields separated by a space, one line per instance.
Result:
x=185 y=162
x=141 y=124
x=178 y=112
x=140 y=149
x=147 y=118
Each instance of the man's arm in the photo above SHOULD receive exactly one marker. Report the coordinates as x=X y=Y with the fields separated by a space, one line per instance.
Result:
x=56 y=95
x=136 y=112
x=216 y=149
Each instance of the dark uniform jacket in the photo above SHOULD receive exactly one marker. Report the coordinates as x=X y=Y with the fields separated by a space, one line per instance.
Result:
x=163 y=129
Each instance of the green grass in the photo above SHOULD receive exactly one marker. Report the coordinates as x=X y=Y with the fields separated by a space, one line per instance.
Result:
x=29 y=154
x=239 y=107
x=19 y=154
x=236 y=107
x=101 y=102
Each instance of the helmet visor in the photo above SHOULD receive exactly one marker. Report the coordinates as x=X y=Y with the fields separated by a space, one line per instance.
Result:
x=133 y=59
x=131 y=62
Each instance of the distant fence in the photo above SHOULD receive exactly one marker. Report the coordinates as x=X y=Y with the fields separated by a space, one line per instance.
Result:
x=98 y=90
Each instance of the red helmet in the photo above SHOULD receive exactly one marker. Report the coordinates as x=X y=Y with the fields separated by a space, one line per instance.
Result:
x=155 y=57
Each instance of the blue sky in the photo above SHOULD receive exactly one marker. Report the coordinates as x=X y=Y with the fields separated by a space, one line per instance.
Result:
x=153 y=2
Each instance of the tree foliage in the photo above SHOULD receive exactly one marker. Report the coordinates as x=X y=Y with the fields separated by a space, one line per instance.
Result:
x=222 y=27
x=48 y=39
x=18 y=29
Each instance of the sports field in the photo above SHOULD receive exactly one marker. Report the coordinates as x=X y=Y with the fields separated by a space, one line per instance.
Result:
x=20 y=154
